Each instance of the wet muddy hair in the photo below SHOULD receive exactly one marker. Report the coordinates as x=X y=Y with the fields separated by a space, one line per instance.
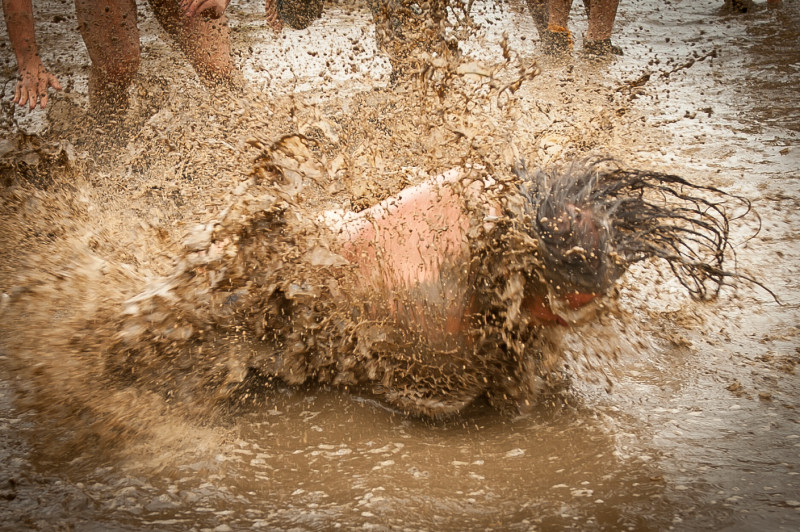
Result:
x=593 y=219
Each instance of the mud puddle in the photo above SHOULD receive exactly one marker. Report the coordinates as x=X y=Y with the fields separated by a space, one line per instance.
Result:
x=700 y=429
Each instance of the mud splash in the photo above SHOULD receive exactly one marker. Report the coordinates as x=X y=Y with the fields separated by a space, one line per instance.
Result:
x=699 y=431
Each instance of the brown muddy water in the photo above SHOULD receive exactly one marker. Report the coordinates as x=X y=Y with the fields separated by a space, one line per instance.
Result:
x=686 y=419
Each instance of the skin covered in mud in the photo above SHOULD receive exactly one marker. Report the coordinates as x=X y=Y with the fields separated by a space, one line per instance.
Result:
x=264 y=295
x=420 y=273
x=477 y=310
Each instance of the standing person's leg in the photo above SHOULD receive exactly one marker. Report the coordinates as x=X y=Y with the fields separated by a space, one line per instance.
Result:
x=109 y=30
x=205 y=41
x=558 y=14
x=538 y=9
x=557 y=39
x=601 y=21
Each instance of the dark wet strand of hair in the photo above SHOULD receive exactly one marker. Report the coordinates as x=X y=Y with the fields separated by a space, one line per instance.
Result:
x=694 y=243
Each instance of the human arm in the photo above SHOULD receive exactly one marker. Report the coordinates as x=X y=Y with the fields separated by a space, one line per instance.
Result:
x=35 y=79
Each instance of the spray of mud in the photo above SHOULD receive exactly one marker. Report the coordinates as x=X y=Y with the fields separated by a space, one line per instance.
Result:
x=112 y=330
x=119 y=332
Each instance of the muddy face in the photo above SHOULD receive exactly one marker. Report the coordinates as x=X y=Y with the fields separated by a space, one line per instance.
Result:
x=698 y=431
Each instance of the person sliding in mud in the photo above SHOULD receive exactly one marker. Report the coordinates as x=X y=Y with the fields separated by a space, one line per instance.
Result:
x=551 y=18
x=454 y=289
x=111 y=35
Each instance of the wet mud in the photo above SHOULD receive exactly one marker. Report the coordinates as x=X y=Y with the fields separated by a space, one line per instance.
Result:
x=675 y=414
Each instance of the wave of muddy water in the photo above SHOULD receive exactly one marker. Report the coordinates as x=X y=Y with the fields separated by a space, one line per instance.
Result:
x=700 y=428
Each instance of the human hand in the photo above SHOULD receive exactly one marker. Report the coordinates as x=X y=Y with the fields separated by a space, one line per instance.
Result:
x=33 y=85
x=209 y=8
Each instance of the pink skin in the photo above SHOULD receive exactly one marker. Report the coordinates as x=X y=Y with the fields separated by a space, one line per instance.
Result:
x=212 y=8
x=402 y=242
x=537 y=307
x=35 y=78
x=601 y=19
x=406 y=237
x=111 y=36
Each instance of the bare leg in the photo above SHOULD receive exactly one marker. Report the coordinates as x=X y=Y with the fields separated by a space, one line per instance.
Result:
x=109 y=30
x=601 y=19
x=597 y=40
x=558 y=15
x=538 y=9
x=205 y=41
x=556 y=39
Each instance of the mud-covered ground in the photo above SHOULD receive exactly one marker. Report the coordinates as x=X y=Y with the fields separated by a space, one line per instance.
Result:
x=681 y=415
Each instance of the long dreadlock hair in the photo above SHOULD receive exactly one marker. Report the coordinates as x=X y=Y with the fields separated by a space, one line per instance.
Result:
x=593 y=219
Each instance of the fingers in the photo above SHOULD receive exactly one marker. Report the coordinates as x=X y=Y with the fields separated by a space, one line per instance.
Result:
x=41 y=91
x=29 y=93
x=215 y=8
x=25 y=95
x=18 y=94
x=189 y=7
x=49 y=81
x=53 y=82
